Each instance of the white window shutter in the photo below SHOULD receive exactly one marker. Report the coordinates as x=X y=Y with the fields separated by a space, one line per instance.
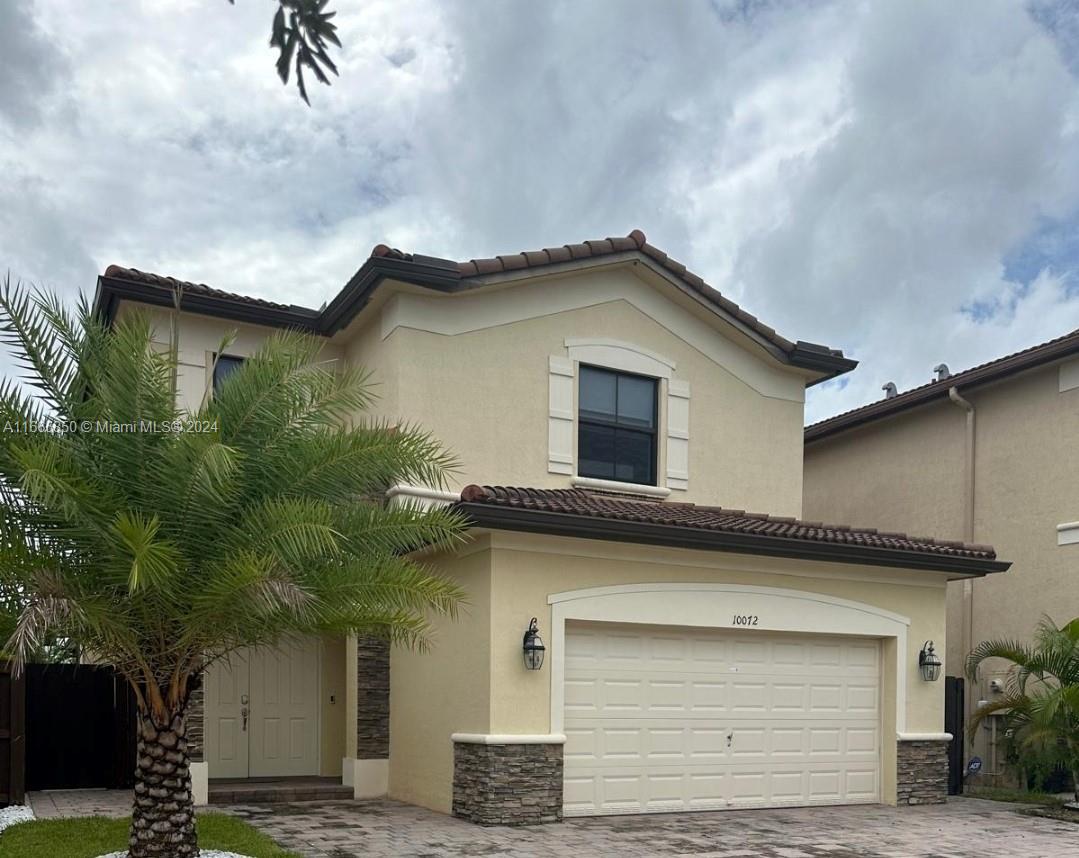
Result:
x=560 y=419
x=677 y=435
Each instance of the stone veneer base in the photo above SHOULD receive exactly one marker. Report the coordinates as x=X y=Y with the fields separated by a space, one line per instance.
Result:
x=507 y=784
x=922 y=772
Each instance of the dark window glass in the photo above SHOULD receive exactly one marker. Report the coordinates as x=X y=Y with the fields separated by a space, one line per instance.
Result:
x=633 y=457
x=617 y=426
x=226 y=365
x=636 y=401
x=599 y=395
x=595 y=451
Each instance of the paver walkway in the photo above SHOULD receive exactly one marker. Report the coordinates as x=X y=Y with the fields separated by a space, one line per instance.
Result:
x=80 y=802
x=963 y=828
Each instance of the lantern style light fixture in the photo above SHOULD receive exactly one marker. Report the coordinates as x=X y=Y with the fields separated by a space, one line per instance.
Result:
x=929 y=663
x=533 y=647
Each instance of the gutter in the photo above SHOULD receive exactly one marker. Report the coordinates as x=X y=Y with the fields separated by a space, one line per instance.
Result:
x=112 y=290
x=620 y=530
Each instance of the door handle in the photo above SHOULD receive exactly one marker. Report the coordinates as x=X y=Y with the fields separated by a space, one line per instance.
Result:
x=730 y=737
x=244 y=700
x=243 y=714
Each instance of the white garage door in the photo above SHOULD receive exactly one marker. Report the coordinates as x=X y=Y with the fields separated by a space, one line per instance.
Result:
x=671 y=718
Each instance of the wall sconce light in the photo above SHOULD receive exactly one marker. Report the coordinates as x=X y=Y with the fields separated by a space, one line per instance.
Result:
x=929 y=663
x=533 y=647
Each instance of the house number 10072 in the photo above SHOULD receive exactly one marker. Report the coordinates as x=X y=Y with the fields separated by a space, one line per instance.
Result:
x=744 y=620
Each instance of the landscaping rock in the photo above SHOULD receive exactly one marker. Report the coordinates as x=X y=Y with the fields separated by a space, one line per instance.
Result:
x=203 y=853
x=15 y=814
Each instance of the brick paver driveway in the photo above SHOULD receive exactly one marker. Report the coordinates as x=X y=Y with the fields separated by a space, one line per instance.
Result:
x=963 y=828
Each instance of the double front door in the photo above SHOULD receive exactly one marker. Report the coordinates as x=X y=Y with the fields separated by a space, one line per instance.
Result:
x=262 y=712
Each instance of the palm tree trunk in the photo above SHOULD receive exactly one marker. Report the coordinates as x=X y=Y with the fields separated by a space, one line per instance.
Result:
x=163 y=818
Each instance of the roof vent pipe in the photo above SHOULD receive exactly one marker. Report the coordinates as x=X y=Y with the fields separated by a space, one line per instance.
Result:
x=942 y=371
x=890 y=391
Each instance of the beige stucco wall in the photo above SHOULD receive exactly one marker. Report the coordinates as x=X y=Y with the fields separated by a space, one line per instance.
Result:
x=332 y=720
x=473 y=370
x=443 y=688
x=526 y=569
x=485 y=395
x=199 y=337
x=907 y=473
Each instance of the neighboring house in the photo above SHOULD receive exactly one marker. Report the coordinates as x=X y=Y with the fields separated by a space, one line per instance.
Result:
x=985 y=455
x=697 y=657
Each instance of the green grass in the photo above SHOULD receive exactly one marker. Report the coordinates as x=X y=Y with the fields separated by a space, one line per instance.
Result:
x=90 y=836
x=1014 y=795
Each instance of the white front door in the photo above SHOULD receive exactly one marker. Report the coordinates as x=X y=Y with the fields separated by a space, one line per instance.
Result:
x=672 y=719
x=262 y=712
x=284 y=710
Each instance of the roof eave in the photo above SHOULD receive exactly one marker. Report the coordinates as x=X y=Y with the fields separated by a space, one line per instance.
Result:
x=112 y=290
x=441 y=275
x=620 y=530
x=827 y=364
x=996 y=371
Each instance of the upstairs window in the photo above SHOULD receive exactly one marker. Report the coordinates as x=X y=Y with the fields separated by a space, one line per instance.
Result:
x=616 y=417
x=225 y=366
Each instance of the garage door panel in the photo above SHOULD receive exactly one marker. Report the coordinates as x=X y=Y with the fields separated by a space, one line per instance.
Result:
x=862 y=699
x=707 y=719
x=862 y=784
x=862 y=740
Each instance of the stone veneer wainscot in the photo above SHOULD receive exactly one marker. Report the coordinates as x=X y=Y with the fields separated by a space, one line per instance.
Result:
x=505 y=784
x=922 y=772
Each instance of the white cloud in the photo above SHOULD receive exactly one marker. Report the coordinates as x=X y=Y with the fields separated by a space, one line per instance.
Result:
x=853 y=173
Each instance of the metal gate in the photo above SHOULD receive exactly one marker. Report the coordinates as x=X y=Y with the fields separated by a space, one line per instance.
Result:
x=954 y=717
x=80 y=727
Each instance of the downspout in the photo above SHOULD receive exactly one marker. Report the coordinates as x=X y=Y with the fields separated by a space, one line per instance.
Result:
x=968 y=536
x=968 y=526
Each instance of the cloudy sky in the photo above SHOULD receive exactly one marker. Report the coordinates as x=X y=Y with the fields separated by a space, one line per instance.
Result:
x=896 y=179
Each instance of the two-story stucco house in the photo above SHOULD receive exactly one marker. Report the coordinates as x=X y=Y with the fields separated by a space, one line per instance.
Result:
x=697 y=656
x=988 y=454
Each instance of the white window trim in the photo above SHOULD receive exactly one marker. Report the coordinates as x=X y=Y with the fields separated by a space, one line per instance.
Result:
x=616 y=486
x=624 y=357
x=619 y=355
x=701 y=605
x=1068 y=533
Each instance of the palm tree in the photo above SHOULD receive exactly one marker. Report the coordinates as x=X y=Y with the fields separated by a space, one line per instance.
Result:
x=1041 y=695
x=160 y=541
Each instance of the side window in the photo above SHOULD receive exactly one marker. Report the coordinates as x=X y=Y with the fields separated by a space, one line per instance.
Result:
x=616 y=417
x=225 y=366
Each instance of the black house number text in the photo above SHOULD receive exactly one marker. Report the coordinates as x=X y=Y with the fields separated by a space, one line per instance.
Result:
x=744 y=620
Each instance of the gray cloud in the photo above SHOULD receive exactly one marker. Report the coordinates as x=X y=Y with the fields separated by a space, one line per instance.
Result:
x=30 y=65
x=855 y=173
